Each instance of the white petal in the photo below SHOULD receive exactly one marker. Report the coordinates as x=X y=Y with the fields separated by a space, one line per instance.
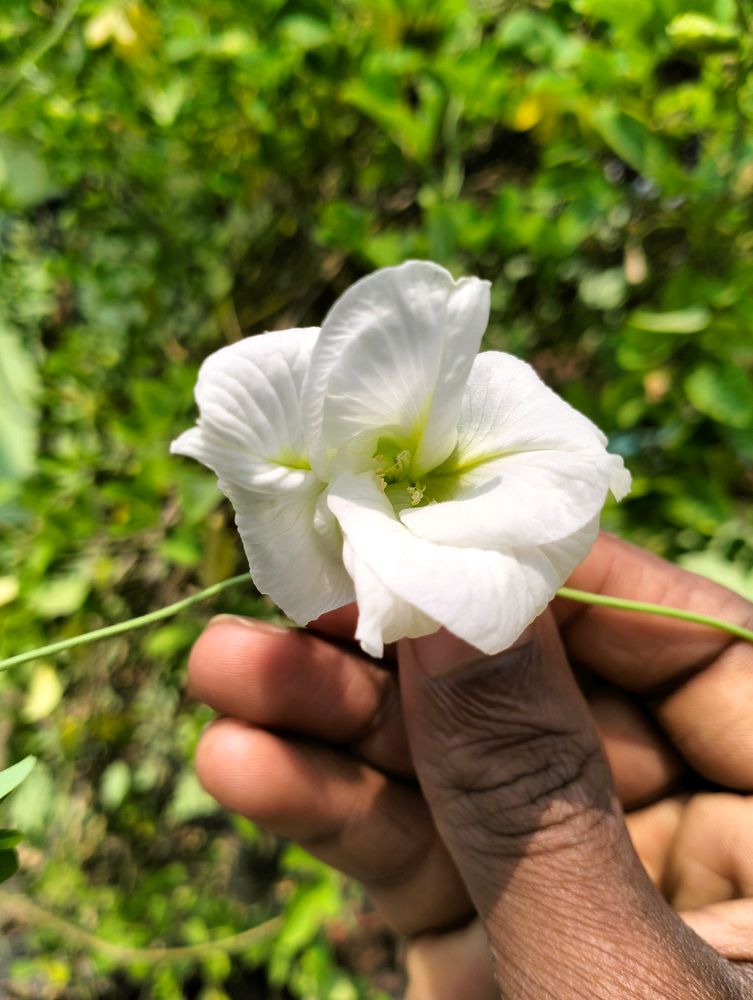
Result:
x=620 y=479
x=392 y=360
x=483 y=596
x=292 y=555
x=528 y=468
x=250 y=432
x=522 y=499
x=508 y=408
x=382 y=616
x=250 y=429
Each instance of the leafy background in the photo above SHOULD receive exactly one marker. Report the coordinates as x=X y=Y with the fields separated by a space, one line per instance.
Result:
x=174 y=176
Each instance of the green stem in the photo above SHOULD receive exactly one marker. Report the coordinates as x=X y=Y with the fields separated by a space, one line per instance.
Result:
x=36 y=52
x=132 y=623
x=623 y=604
x=23 y=910
x=582 y=596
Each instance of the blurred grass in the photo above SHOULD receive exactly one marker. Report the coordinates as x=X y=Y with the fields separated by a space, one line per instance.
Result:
x=173 y=178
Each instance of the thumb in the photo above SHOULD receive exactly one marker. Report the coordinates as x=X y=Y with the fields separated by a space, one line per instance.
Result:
x=513 y=771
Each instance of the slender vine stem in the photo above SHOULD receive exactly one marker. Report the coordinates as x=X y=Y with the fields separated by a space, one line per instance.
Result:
x=108 y=631
x=623 y=604
x=29 y=60
x=19 y=908
x=582 y=596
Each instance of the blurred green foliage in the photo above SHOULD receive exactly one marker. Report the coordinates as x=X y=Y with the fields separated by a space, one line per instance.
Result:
x=10 y=779
x=175 y=176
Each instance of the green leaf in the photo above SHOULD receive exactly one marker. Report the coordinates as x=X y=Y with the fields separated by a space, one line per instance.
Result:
x=44 y=694
x=8 y=589
x=698 y=33
x=10 y=839
x=33 y=804
x=189 y=800
x=61 y=595
x=629 y=15
x=713 y=565
x=8 y=864
x=632 y=140
x=18 y=407
x=24 y=177
x=681 y=321
x=12 y=776
x=305 y=32
x=722 y=392
x=603 y=289
x=309 y=908
x=114 y=785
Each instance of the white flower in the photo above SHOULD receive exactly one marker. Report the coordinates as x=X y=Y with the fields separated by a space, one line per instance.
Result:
x=381 y=459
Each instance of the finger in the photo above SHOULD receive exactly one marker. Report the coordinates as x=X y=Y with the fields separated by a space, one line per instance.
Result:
x=727 y=927
x=642 y=652
x=376 y=829
x=711 y=859
x=653 y=830
x=510 y=764
x=697 y=848
x=451 y=965
x=644 y=765
x=290 y=680
x=700 y=680
x=338 y=624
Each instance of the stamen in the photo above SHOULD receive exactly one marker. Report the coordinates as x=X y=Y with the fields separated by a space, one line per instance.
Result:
x=399 y=468
x=416 y=493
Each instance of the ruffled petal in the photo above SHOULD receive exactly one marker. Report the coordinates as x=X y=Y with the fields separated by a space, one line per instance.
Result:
x=250 y=428
x=293 y=546
x=526 y=499
x=391 y=362
x=250 y=432
x=382 y=616
x=507 y=408
x=485 y=597
x=528 y=468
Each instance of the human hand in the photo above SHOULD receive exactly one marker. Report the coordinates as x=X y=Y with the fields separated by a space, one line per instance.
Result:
x=341 y=783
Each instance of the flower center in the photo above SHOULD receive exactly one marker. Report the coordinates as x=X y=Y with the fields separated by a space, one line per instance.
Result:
x=393 y=471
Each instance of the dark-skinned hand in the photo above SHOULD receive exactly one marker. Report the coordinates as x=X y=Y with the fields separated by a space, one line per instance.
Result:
x=533 y=836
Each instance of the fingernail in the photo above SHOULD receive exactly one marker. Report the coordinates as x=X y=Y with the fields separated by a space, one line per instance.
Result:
x=250 y=623
x=442 y=653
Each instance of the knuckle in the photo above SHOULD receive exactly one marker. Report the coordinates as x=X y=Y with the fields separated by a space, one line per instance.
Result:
x=507 y=783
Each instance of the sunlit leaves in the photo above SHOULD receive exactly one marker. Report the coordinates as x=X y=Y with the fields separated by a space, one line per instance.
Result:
x=218 y=168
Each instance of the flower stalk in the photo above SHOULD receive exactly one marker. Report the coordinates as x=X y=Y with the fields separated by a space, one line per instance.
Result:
x=130 y=625
x=141 y=621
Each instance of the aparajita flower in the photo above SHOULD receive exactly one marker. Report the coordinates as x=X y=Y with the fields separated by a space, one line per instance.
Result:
x=381 y=459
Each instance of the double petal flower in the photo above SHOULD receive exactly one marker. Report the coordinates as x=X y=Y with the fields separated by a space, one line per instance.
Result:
x=381 y=459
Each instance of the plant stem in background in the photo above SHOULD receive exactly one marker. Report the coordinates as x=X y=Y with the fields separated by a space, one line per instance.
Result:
x=127 y=626
x=17 y=907
x=582 y=596
x=30 y=59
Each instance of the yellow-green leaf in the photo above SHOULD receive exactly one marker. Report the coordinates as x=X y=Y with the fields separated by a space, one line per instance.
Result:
x=44 y=694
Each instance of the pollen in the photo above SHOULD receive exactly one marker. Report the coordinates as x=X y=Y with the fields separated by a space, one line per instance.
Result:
x=416 y=493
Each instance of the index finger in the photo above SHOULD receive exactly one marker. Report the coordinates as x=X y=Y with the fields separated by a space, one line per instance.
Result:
x=699 y=680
